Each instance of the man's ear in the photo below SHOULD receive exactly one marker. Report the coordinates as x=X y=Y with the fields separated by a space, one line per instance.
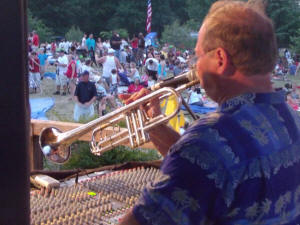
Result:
x=224 y=62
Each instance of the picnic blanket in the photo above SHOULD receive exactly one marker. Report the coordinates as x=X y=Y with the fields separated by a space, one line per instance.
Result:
x=39 y=107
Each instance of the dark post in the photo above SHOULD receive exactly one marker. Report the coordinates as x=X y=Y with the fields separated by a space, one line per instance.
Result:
x=14 y=114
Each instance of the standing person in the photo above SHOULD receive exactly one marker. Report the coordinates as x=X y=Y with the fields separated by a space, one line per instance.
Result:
x=84 y=96
x=53 y=48
x=141 y=49
x=109 y=63
x=72 y=74
x=34 y=69
x=83 y=42
x=91 y=46
x=61 y=78
x=241 y=164
x=106 y=46
x=115 y=43
x=35 y=41
x=114 y=81
x=134 y=45
x=43 y=61
x=151 y=66
x=99 y=46
x=162 y=72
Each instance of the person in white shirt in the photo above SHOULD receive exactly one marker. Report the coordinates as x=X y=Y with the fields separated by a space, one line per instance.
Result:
x=151 y=82
x=134 y=73
x=83 y=42
x=106 y=45
x=114 y=82
x=152 y=67
x=123 y=43
x=61 y=78
x=109 y=62
x=87 y=67
x=123 y=56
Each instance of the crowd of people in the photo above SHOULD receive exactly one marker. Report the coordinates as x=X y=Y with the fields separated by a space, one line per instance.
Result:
x=113 y=66
x=287 y=64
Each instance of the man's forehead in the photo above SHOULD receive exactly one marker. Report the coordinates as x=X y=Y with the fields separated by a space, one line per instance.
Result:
x=198 y=47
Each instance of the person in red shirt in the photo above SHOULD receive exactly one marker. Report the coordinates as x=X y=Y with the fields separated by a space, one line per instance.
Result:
x=35 y=40
x=136 y=86
x=72 y=73
x=134 y=44
x=34 y=70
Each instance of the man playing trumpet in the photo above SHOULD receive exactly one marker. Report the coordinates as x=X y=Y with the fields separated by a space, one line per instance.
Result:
x=241 y=164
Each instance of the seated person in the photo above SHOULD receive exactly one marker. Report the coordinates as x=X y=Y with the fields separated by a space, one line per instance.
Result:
x=151 y=82
x=133 y=72
x=135 y=87
x=103 y=97
x=144 y=79
x=84 y=96
x=294 y=103
x=177 y=68
x=195 y=97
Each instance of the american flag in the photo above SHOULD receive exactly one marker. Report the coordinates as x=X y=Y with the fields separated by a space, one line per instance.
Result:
x=149 y=17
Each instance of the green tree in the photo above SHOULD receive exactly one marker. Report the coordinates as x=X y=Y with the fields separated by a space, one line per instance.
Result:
x=295 y=42
x=197 y=10
x=74 y=34
x=43 y=31
x=178 y=35
x=286 y=18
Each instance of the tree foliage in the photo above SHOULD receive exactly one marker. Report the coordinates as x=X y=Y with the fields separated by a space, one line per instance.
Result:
x=97 y=16
x=74 y=34
x=295 y=42
x=45 y=33
x=286 y=19
x=178 y=35
x=83 y=158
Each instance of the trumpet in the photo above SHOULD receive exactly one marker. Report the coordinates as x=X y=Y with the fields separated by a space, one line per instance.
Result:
x=56 y=146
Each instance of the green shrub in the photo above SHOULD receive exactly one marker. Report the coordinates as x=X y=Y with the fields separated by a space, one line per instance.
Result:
x=44 y=32
x=74 y=34
x=82 y=157
x=295 y=40
x=179 y=35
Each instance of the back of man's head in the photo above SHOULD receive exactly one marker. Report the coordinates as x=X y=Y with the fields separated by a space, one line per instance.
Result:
x=150 y=61
x=245 y=32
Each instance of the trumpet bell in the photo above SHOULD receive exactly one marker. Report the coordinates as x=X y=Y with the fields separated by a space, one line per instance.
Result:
x=48 y=140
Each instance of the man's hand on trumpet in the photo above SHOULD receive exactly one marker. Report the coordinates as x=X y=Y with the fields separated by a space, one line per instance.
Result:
x=152 y=109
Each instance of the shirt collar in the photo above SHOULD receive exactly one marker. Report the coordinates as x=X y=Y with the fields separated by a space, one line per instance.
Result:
x=252 y=98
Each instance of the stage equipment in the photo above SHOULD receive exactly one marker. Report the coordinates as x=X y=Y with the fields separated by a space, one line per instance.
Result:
x=99 y=198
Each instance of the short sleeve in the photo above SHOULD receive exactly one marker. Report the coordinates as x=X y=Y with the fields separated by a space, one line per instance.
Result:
x=183 y=194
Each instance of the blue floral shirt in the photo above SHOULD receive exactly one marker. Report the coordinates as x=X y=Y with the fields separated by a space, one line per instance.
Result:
x=240 y=165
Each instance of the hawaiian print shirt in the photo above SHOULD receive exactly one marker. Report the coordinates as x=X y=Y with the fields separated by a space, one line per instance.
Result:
x=240 y=165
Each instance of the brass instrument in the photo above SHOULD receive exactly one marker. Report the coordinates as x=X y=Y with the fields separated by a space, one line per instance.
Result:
x=55 y=145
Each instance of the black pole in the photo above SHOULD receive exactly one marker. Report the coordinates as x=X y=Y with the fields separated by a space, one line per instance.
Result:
x=14 y=114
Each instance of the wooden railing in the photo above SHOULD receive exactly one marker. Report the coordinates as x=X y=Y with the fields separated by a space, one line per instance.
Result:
x=36 y=156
